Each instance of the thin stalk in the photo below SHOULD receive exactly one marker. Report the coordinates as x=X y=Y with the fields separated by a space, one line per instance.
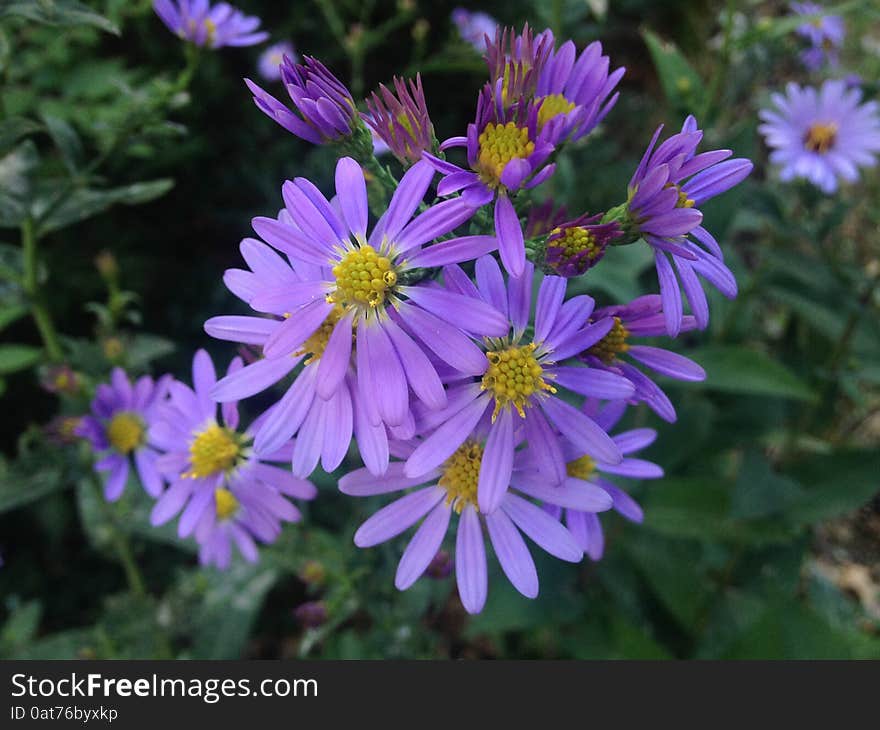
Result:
x=31 y=283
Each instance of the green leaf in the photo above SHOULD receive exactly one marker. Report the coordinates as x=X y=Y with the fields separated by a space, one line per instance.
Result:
x=681 y=84
x=145 y=348
x=21 y=626
x=740 y=370
x=59 y=13
x=10 y=314
x=66 y=140
x=759 y=492
x=13 y=129
x=22 y=484
x=18 y=357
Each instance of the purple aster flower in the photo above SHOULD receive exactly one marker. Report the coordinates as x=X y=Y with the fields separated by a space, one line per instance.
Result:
x=62 y=430
x=506 y=153
x=452 y=487
x=475 y=28
x=518 y=388
x=670 y=184
x=574 y=247
x=118 y=430
x=327 y=111
x=642 y=317
x=61 y=379
x=585 y=472
x=400 y=119
x=205 y=25
x=574 y=90
x=825 y=34
x=346 y=300
x=822 y=135
x=269 y=63
x=515 y=63
x=225 y=494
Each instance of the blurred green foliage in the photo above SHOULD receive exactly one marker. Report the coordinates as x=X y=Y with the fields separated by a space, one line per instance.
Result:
x=762 y=541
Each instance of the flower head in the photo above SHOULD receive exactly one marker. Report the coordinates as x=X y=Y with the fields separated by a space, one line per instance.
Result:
x=226 y=495
x=327 y=112
x=400 y=119
x=118 y=429
x=576 y=246
x=616 y=352
x=344 y=304
x=270 y=61
x=213 y=26
x=515 y=63
x=666 y=191
x=824 y=32
x=822 y=135
x=61 y=379
x=475 y=28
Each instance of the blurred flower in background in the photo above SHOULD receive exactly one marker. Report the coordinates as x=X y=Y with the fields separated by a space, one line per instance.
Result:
x=269 y=63
x=474 y=27
x=212 y=26
x=824 y=32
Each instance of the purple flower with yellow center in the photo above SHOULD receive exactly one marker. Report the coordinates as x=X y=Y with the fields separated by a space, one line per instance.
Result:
x=118 y=430
x=515 y=62
x=475 y=28
x=327 y=112
x=642 y=317
x=821 y=135
x=506 y=153
x=574 y=90
x=518 y=389
x=452 y=488
x=351 y=303
x=665 y=193
x=209 y=25
x=270 y=61
x=61 y=379
x=824 y=32
x=224 y=493
x=585 y=472
x=573 y=248
x=400 y=119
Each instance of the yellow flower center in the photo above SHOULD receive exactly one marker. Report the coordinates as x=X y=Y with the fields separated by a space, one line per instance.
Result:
x=820 y=137
x=461 y=474
x=113 y=348
x=499 y=144
x=611 y=345
x=582 y=468
x=552 y=106
x=574 y=241
x=213 y=450
x=363 y=278
x=315 y=345
x=226 y=503
x=125 y=432
x=514 y=376
x=683 y=200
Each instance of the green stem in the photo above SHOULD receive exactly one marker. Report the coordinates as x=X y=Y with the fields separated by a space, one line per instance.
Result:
x=122 y=547
x=31 y=283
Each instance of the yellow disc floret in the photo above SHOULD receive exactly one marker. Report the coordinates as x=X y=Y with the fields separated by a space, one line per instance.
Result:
x=226 y=503
x=576 y=240
x=514 y=375
x=582 y=468
x=363 y=278
x=499 y=144
x=611 y=345
x=315 y=345
x=552 y=106
x=461 y=474
x=126 y=432
x=213 y=450
x=820 y=137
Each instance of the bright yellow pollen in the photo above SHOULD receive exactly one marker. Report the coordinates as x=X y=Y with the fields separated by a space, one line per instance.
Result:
x=683 y=200
x=461 y=474
x=227 y=504
x=125 y=432
x=499 y=144
x=214 y=450
x=363 y=278
x=611 y=345
x=513 y=377
x=820 y=137
x=582 y=468
x=552 y=106
x=574 y=241
x=315 y=345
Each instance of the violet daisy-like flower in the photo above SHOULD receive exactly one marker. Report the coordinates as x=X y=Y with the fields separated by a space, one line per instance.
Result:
x=269 y=63
x=642 y=317
x=213 y=26
x=452 y=488
x=350 y=301
x=118 y=430
x=224 y=493
x=400 y=119
x=824 y=32
x=475 y=28
x=327 y=112
x=574 y=247
x=519 y=386
x=506 y=152
x=822 y=135
x=574 y=90
x=666 y=191
x=586 y=473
